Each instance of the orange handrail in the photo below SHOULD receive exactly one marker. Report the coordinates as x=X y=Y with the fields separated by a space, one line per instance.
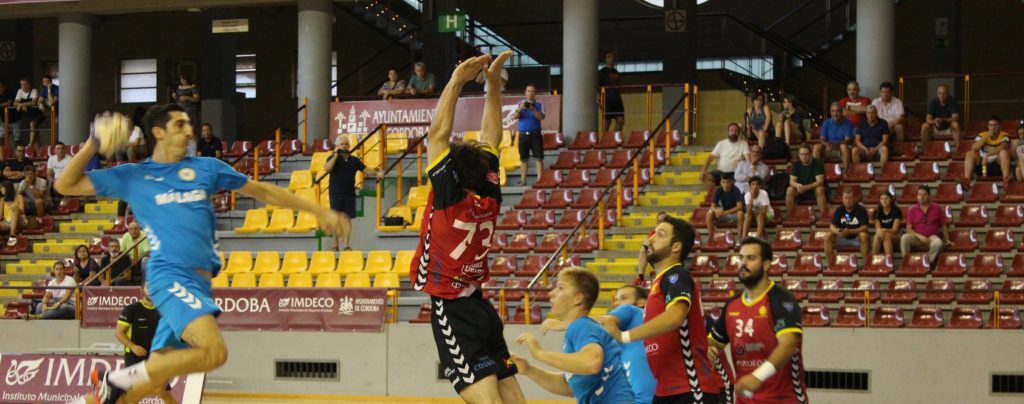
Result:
x=305 y=122
x=277 y=148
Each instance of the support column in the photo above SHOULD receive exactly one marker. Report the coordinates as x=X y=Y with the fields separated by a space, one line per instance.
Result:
x=315 y=24
x=876 y=29
x=579 y=66
x=679 y=52
x=75 y=58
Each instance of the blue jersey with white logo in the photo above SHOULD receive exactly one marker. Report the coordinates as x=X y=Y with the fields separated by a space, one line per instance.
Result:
x=172 y=203
x=608 y=386
x=634 y=357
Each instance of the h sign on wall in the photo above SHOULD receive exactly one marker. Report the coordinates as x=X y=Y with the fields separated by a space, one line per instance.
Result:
x=455 y=22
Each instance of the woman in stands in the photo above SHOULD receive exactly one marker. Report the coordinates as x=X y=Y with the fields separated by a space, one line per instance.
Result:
x=887 y=219
x=85 y=266
x=791 y=122
x=13 y=212
x=759 y=120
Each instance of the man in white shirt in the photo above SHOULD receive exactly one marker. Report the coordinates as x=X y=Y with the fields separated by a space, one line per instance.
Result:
x=57 y=303
x=57 y=162
x=34 y=190
x=757 y=207
x=752 y=166
x=26 y=101
x=729 y=152
x=136 y=144
x=891 y=109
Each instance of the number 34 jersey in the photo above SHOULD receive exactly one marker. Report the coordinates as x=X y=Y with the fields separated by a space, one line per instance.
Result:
x=456 y=231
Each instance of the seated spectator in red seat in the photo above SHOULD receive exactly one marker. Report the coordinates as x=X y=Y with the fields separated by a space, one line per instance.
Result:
x=891 y=110
x=727 y=205
x=759 y=120
x=871 y=138
x=56 y=163
x=990 y=154
x=790 y=124
x=15 y=169
x=807 y=181
x=836 y=135
x=85 y=266
x=752 y=166
x=57 y=304
x=393 y=86
x=14 y=203
x=208 y=145
x=120 y=272
x=888 y=218
x=729 y=152
x=757 y=208
x=531 y=141
x=854 y=105
x=924 y=221
x=943 y=117
x=36 y=191
x=849 y=226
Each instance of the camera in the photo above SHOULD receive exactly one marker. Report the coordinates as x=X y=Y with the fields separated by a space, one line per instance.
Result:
x=528 y=104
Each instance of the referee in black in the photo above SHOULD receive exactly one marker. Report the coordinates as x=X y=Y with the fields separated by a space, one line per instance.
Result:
x=135 y=329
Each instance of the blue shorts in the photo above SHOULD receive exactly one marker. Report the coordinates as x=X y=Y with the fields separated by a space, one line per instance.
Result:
x=180 y=296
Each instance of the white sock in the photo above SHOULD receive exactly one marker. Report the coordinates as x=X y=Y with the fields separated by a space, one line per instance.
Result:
x=127 y=377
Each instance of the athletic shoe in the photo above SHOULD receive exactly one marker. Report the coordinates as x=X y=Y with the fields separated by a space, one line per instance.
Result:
x=103 y=391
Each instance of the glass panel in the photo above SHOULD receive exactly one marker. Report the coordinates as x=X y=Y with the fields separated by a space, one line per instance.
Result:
x=138 y=80
x=138 y=66
x=138 y=95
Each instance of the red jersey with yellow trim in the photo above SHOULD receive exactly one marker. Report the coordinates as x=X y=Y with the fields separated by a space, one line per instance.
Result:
x=751 y=329
x=678 y=359
x=456 y=231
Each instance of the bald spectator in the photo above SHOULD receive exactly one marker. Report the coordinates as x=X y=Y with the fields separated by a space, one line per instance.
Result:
x=752 y=166
x=943 y=116
x=729 y=152
x=836 y=136
x=871 y=138
x=854 y=105
x=891 y=110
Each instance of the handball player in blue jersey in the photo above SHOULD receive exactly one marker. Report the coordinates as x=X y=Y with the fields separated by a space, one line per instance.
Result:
x=170 y=196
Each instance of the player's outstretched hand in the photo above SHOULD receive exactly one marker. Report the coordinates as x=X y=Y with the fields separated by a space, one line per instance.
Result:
x=469 y=69
x=551 y=324
x=747 y=385
x=530 y=341
x=332 y=223
x=493 y=71
x=522 y=364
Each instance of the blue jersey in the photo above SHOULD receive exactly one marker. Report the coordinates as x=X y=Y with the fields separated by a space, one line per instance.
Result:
x=172 y=203
x=634 y=357
x=609 y=386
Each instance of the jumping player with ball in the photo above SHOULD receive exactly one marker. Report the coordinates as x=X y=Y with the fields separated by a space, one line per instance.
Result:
x=170 y=195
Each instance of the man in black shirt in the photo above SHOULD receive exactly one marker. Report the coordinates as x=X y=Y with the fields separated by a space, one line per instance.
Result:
x=14 y=170
x=343 y=167
x=849 y=226
x=135 y=330
x=943 y=116
x=121 y=271
x=208 y=144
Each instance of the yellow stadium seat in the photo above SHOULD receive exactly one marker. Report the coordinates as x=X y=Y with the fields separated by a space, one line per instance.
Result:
x=397 y=142
x=301 y=179
x=418 y=196
x=255 y=221
x=325 y=201
x=471 y=136
x=300 y=281
x=221 y=281
x=246 y=280
x=403 y=261
x=506 y=138
x=386 y=280
x=221 y=254
x=316 y=164
x=502 y=175
x=358 y=280
x=323 y=262
x=266 y=262
x=378 y=261
x=417 y=223
x=307 y=194
x=239 y=262
x=306 y=222
x=280 y=221
x=275 y=280
x=509 y=158
x=328 y=281
x=350 y=261
x=294 y=262
x=404 y=211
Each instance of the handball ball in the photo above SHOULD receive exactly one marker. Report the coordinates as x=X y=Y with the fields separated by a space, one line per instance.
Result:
x=111 y=131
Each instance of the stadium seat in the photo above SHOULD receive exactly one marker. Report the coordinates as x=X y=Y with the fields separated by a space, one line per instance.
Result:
x=294 y=262
x=787 y=240
x=378 y=261
x=280 y=221
x=266 y=262
x=833 y=173
x=582 y=243
x=719 y=290
x=888 y=317
x=720 y=241
x=514 y=283
x=307 y=194
x=802 y=216
x=300 y=179
x=936 y=150
x=387 y=280
x=238 y=149
x=220 y=281
x=350 y=262
x=246 y=280
x=239 y=262
x=909 y=194
x=519 y=315
x=815 y=316
x=850 y=316
x=532 y=264
x=567 y=160
x=973 y=216
x=303 y=280
x=732 y=266
x=875 y=192
x=589 y=197
x=1014 y=192
x=570 y=218
x=806 y=265
x=704 y=265
x=950 y=265
x=119 y=227
x=1009 y=216
x=559 y=199
x=841 y=265
x=323 y=262
x=620 y=159
x=925 y=172
x=778 y=266
x=976 y=291
x=659 y=158
x=798 y=287
x=290 y=146
x=986 y=266
x=827 y=291
x=699 y=219
x=553 y=141
x=501 y=265
x=549 y=179
x=593 y=159
x=499 y=242
x=403 y=262
x=532 y=199
x=1012 y=292
x=966 y=318
x=826 y=219
x=508 y=158
x=938 y=291
x=892 y=172
x=904 y=151
x=317 y=163
x=644 y=177
x=255 y=221
x=927 y=317
x=962 y=241
x=816 y=242
x=396 y=142
x=577 y=178
x=961 y=150
x=512 y=220
x=1008 y=319
x=900 y=291
x=541 y=220
x=328 y=281
x=418 y=196
x=948 y=193
x=274 y=280
x=997 y=240
x=584 y=140
x=68 y=205
x=636 y=139
x=605 y=177
x=609 y=140
x=403 y=212
x=860 y=286
x=521 y=243
x=983 y=192
x=859 y=172
x=877 y=265
x=357 y=280
x=423 y=316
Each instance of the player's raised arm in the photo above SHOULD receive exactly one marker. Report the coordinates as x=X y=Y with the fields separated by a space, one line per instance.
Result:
x=490 y=125
x=330 y=221
x=73 y=181
x=444 y=117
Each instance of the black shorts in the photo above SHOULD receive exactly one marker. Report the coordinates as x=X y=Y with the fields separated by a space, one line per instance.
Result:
x=345 y=204
x=470 y=340
x=686 y=399
x=531 y=142
x=994 y=170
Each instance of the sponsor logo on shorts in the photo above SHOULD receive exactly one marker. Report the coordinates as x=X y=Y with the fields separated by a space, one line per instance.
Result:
x=483 y=364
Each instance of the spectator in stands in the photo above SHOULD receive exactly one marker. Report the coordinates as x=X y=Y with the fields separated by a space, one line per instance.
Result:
x=750 y=167
x=422 y=82
x=854 y=105
x=15 y=204
x=56 y=163
x=614 y=109
x=727 y=206
x=121 y=271
x=186 y=94
x=990 y=154
x=888 y=218
x=57 y=304
x=36 y=191
x=7 y=104
x=729 y=152
x=343 y=167
x=790 y=124
x=836 y=135
x=137 y=147
x=891 y=110
x=49 y=96
x=924 y=220
x=943 y=116
x=209 y=145
x=758 y=208
x=849 y=227
x=759 y=120
x=140 y=254
x=15 y=169
x=531 y=140
x=871 y=138
x=85 y=267
x=807 y=181
x=393 y=86
x=26 y=101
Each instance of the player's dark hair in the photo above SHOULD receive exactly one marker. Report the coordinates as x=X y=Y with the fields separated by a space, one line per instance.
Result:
x=926 y=189
x=640 y=292
x=766 y=248
x=584 y=282
x=60 y=144
x=158 y=115
x=757 y=179
x=995 y=118
x=728 y=176
x=682 y=232
x=205 y=124
x=847 y=191
x=885 y=85
x=804 y=146
x=471 y=165
x=8 y=191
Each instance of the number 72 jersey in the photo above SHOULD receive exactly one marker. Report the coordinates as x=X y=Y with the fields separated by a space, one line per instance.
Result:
x=456 y=231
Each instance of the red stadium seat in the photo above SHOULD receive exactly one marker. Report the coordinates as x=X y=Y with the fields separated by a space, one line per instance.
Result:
x=816 y=242
x=553 y=141
x=699 y=219
x=584 y=140
x=1009 y=216
x=798 y=287
x=947 y=193
x=914 y=265
x=559 y=199
x=788 y=240
x=659 y=158
x=67 y=206
x=826 y=219
x=512 y=220
x=963 y=241
x=860 y=286
x=521 y=243
x=837 y=196
x=1017 y=267
x=241 y=147
x=532 y=265
x=925 y=172
x=841 y=265
x=802 y=216
x=15 y=246
x=954 y=171
x=540 y=220
x=1008 y=318
x=604 y=178
x=983 y=193
x=609 y=140
x=1012 y=292
x=578 y=178
x=827 y=291
x=675 y=138
x=859 y=172
x=973 y=216
x=878 y=265
x=997 y=240
x=909 y=194
x=850 y=316
x=266 y=147
x=900 y=291
x=289 y=147
x=44 y=225
x=986 y=266
x=778 y=266
x=905 y=151
x=589 y=197
x=584 y=243
x=938 y=291
x=966 y=318
x=712 y=313
x=519 y=316
x=620 y=159
x=732 y=266
x=636 y=139
x=976 y=291
x=551 y=241
x=549 y=179
x=961 y=151
x=503 y=265
x=514 y=283
x=532 y=199
x=936 y=150
x=833 y=173
x=951 y=265
x=926 y=317
x=720 y=241
x=719 y=290
x=1014 y=192
x=567 y=159
x=499 y=242
x=888 y=317
x=893 y=172
x=875 y=193
x=704 y=265
x=815 y=316
x=570 y=218
x=645 y=177
x=593 y=159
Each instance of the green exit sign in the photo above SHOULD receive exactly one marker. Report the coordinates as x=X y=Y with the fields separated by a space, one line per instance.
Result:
x=455 y=22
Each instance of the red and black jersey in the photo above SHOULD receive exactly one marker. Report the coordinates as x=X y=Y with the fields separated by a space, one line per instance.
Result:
x=751 y=329
x=678 y=360
x=456 y=232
